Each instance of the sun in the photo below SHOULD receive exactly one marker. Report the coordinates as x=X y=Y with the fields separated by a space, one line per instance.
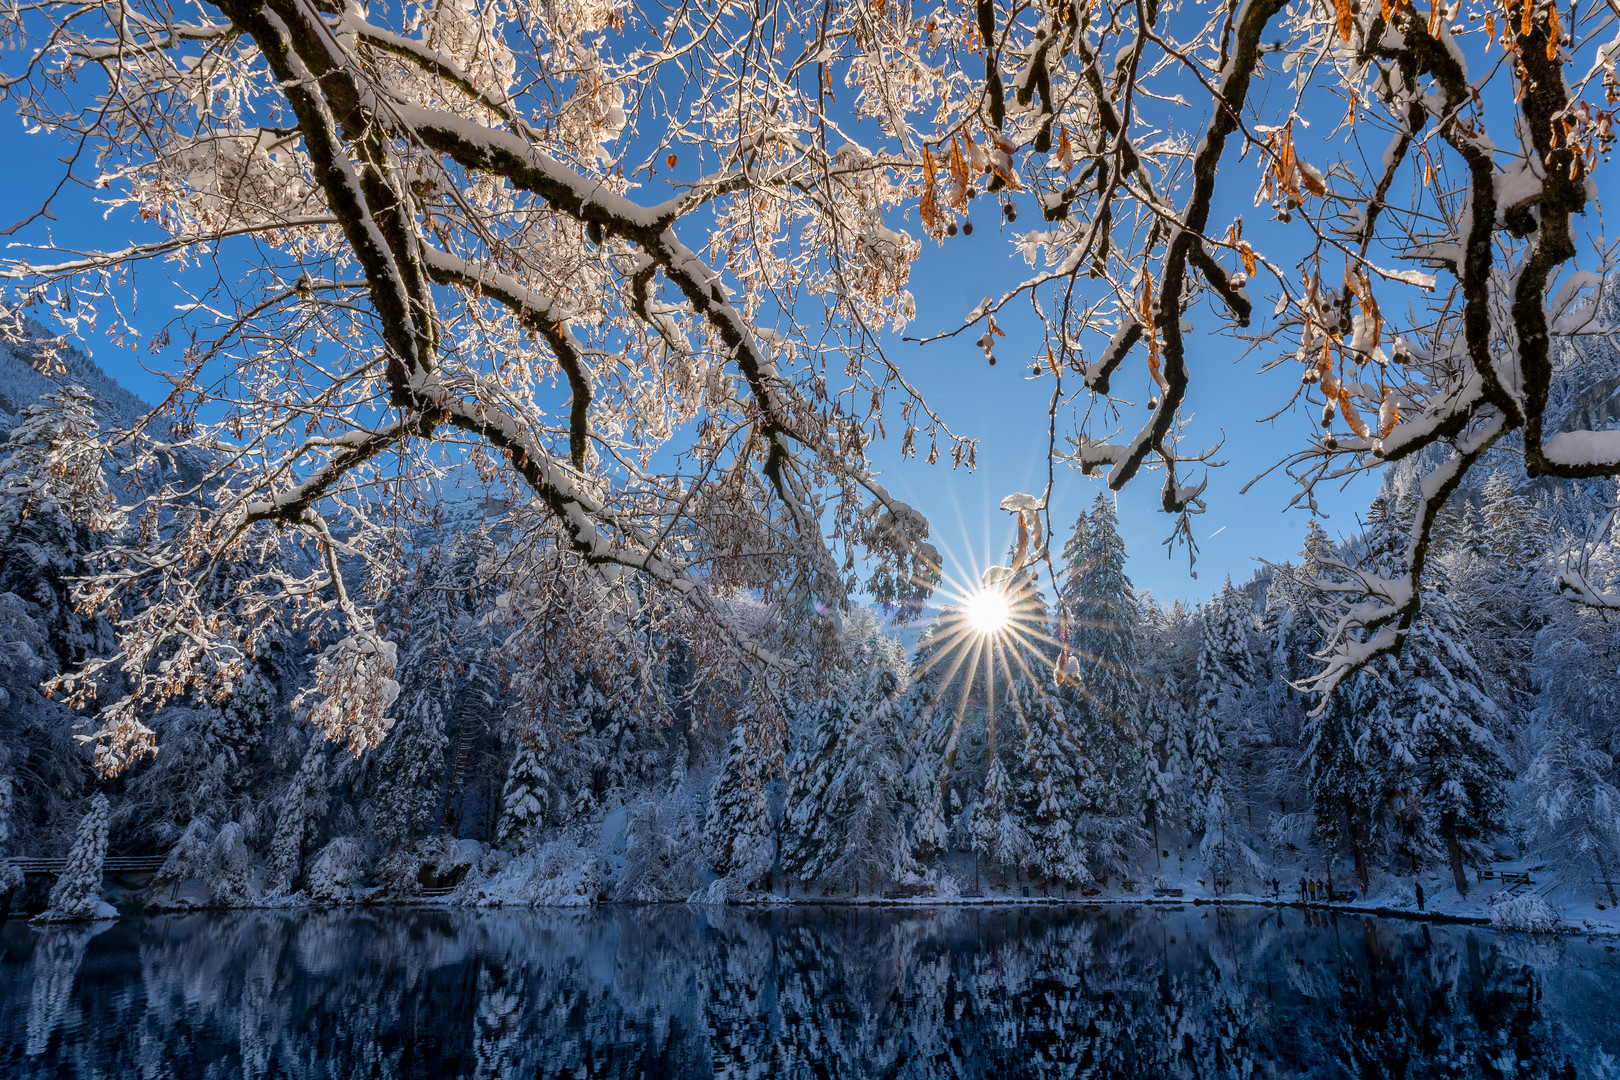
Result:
x=987 y=611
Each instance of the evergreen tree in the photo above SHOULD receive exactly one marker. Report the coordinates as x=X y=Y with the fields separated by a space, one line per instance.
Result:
x=1103 y=614
x=411 y=763
x=811 y=831
x=1347 y=764
x=53 y=496
x=867 y=788
x=77 y=892
x=1460 y=772
x=1076 y=556
x=231 y=867
x=1049 y=796
x=1514 y=526
x=1425 y=720
x=1165 y=763
x=998 y=834
x=739 y=832
x=1223 y=667
x=1292 y=629
x=1501 y=596
x=1574 y=788
x=302 y=808
x=526 y=794
x=191 y=854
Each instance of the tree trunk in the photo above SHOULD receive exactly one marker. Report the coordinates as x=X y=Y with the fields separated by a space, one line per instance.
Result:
x=1360 y=854
x=1454 y=851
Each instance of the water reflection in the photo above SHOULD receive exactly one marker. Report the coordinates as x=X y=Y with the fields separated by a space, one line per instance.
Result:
x=826 y=992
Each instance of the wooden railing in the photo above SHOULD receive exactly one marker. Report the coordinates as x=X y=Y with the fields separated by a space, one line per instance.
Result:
x=112 y=864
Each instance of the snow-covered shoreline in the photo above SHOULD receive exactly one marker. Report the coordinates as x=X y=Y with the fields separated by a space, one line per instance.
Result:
x=1569 y=925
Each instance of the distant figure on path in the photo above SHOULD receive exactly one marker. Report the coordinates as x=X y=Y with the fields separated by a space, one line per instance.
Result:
x=1420 y=895
x=1276 y=889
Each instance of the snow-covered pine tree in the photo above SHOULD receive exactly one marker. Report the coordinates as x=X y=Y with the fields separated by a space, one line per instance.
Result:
x=1576 y=799
x=246 y=710
x=1164 y=765
x=191 y=854
x=662 y=849
x=243 y=685
x=1226 y=673
x=1441 y=695
x=1574 y=776
x=1293 y=632
x=866 y=806
x=579 y=760
x=1515 y=527
x=841 y=822
x=53 y=498
x=739 y=833
x=77 y=892
x=998 y=834
x=1075 y=556
x=1103 y=615
x=526 y=793
x=1426 y=719
x=1347 y=765
x=1502 y=594
x=1214 y=688
x=298 y=822
x=409 y=766
x=1049 y=802
x=231 y=867
x=811 y=835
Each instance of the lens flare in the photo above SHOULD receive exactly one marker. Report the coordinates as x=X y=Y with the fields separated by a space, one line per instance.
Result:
x=987 y=611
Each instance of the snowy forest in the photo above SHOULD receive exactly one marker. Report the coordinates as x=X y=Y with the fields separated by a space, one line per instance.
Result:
x=516 y=517
x=518 y=765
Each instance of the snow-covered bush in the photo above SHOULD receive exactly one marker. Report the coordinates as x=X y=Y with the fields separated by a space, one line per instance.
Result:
x=1528 y=912
x=337 y=875
x=77 y=893
x=434 y=861
x=713 y=893
x=662 y=853
x=560 y=873
x=399 y=873
x=935 y=881
x=191 y=854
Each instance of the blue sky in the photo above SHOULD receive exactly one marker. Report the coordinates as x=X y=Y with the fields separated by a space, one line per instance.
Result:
x=999 y=405
x=1008 y=410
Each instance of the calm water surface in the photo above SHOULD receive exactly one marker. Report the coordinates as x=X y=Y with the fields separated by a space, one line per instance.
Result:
x=804 y=992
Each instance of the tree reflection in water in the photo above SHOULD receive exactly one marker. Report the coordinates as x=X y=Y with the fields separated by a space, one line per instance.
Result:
x=801 y=992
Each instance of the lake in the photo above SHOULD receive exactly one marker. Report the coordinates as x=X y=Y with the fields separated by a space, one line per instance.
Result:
x=674 y=991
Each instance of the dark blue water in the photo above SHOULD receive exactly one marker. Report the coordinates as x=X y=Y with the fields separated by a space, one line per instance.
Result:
x=802 y=992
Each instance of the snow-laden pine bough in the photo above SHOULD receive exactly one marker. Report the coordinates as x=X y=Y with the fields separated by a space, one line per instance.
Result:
x=635 y=262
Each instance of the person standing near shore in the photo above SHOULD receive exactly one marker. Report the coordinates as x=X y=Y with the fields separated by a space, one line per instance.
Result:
x=1419 y=887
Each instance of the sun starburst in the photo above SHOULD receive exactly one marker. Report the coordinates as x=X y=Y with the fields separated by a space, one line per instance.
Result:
x=988 y=612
